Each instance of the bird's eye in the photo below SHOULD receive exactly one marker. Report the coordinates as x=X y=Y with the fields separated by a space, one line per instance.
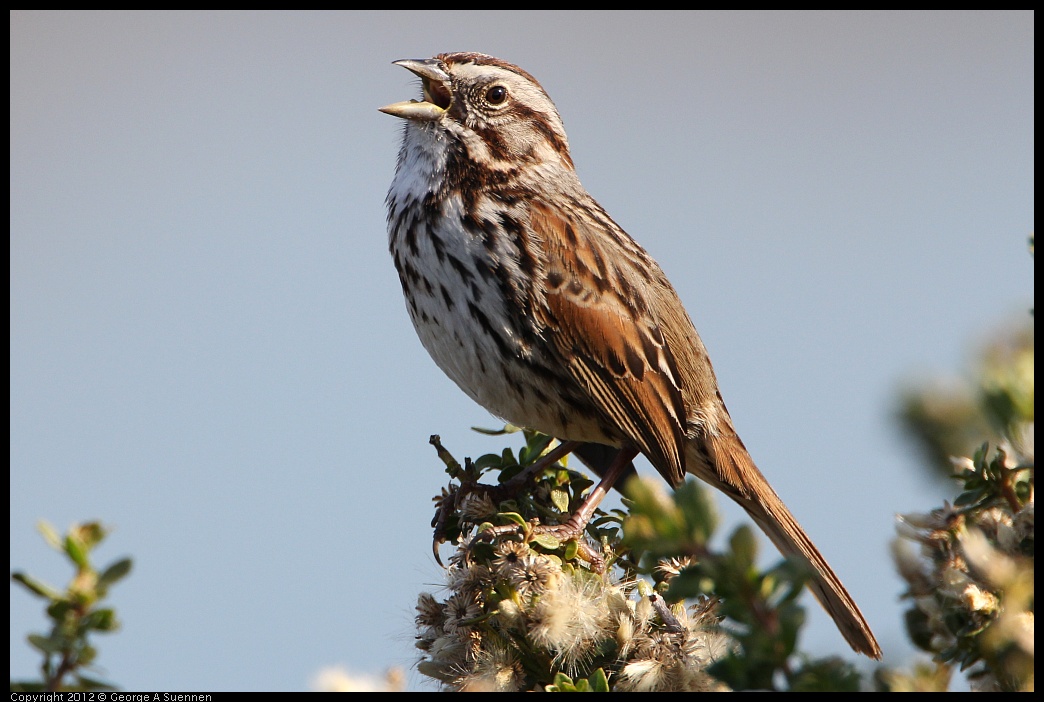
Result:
x=496 y=95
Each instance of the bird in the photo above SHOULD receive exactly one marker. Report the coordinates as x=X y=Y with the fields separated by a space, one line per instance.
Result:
x=544 y=311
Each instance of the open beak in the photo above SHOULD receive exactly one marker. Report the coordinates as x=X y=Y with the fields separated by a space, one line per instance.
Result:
x=437 y=95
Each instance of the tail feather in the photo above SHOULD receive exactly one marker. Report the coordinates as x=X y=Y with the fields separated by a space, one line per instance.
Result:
x=724 y=463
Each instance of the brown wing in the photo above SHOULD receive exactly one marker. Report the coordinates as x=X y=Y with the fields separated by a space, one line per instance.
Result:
x=610 y=340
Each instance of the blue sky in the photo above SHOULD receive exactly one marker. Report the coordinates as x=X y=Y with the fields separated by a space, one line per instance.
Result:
x=209 y=349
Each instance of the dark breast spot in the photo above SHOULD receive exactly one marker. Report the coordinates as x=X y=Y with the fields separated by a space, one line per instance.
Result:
x=447 y=298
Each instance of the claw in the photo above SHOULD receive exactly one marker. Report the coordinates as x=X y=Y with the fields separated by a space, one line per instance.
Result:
x=435 y=551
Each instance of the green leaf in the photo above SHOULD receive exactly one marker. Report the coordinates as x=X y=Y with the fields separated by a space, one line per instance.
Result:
x=560 y=499
x=101 y=620
x=59 y=608
x=76 y=550
x=599 y=682
x=971 y=497
x=35 y=586
x=688 y=584
x=508 y=473
x=436 y=670
x=791 y=618
x=50 y=534
x=89 y=534
x=571 y=549
x=562 y=683
x=46 y=644
x=829 y=674
x=580 y=484
x=698 y=507
x=547 y=541
x=512 y=517
x=534 y=449
x=744 y=547
x=506 y=429
x=614 y=519
x=114 y=573
x=487 y=460
x=86 y=655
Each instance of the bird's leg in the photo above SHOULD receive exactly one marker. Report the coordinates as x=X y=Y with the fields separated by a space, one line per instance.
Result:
x=573 y=528
x=516 y=483
x=497 y=493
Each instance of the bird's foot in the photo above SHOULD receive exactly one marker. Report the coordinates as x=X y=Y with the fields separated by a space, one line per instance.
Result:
x=473 y=500
x=549 y=537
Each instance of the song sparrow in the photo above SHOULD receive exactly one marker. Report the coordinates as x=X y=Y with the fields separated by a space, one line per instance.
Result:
x=545 y=312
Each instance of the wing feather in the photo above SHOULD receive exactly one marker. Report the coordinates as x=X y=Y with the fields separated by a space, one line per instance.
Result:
x=611 y=343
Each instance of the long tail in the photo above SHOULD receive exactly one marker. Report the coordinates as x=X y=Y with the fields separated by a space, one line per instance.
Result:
x=723 y=462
